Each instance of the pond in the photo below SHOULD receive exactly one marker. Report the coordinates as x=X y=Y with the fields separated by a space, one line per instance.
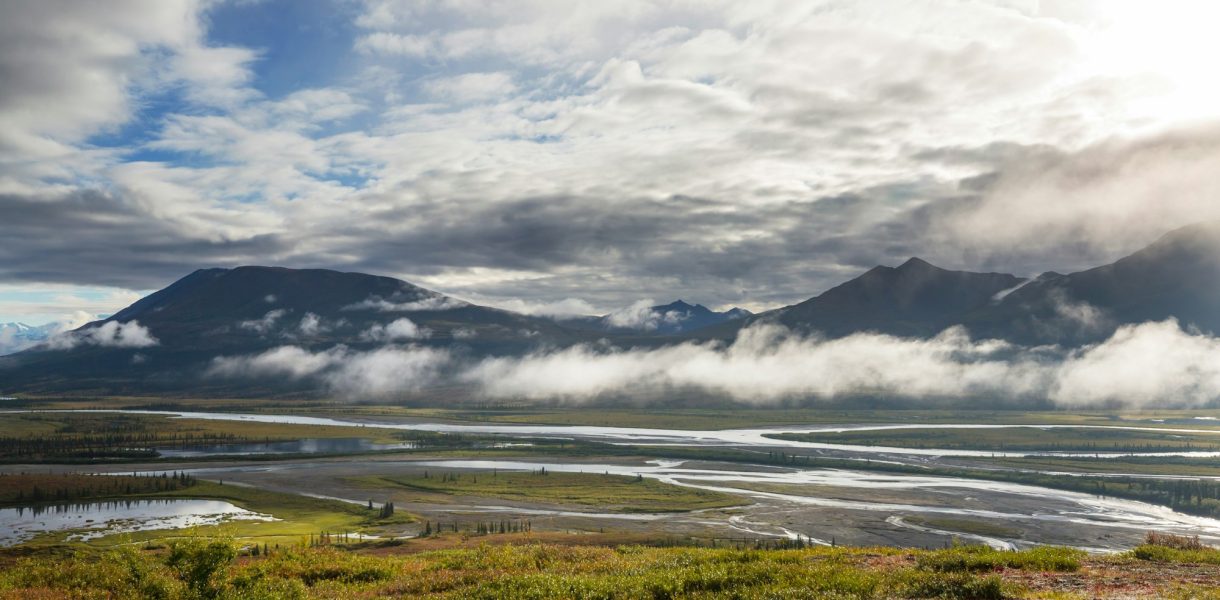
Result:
x=90 y=520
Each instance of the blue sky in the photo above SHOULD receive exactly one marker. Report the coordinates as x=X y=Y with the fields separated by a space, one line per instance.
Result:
x=579 y=157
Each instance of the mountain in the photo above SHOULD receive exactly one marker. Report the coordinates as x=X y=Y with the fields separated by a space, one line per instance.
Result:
x=15 y=337
x=677 y=317
x=167 y=338
x=914 y=299
x=166 y=341
x=1177 y=276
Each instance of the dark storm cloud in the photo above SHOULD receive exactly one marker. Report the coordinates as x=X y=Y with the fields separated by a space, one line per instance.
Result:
x=93 y=238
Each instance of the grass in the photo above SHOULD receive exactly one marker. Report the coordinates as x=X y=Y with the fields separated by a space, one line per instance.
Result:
x=297 y=516
x=48 y=436
x=983 y=558
x=609 y=493
x=201 y=568
x=1177 y=466
x=1065 y=439
x=1163 y=547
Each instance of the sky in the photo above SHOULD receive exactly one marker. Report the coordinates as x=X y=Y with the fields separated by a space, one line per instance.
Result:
x=578 y=157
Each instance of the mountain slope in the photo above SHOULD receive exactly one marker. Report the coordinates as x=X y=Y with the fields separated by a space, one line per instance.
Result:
x=667 y=319
x=170 y=336
x=913 y=299
x=1177 y=276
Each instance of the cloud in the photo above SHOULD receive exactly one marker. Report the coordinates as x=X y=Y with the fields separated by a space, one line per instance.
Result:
x=560 y=309
x=266 y=323
x=311 y=324
x=426 y=303
x=641 y=315
x=471 y=87
x=384 y=371
x=1150 y=364
x=750 y=154
x=396 y=330
x=110 y=334
x=1153 y=364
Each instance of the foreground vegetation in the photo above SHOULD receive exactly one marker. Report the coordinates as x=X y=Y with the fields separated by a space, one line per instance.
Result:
x=609 y=493
x=201 y=568
x=217 y=568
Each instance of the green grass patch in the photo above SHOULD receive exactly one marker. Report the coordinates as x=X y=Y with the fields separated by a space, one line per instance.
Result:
x=201 y=568
x=983 y=558
x=610 y=493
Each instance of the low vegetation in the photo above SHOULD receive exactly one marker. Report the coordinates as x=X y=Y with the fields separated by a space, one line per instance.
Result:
x=201 y=568
x=90 y=437
x=609 y=493
x=1164 y=547
x=26 y=488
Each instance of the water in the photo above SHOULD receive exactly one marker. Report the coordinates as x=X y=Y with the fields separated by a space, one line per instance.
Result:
x=756 y=437
x=1049 y=507
x=303 y=446
x=92 y=520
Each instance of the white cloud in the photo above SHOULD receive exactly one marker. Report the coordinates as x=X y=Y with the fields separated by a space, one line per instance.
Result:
x=641 y=315
x=311 y=324
x=384 y=371
x=1146 y=365
x=1150 y=364
x=426 y=303
x=266 y=323
x=289 y=361
x=396 y=330
x=471 y=87
x=565 y=308
x=110 y=334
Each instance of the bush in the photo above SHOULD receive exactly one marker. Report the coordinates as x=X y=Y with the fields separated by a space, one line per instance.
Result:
x=200 y=563
x=984 y=558
x=1169 y=540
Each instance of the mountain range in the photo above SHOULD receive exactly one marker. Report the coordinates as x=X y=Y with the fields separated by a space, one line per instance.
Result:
x=667 y=319
x=163 y=341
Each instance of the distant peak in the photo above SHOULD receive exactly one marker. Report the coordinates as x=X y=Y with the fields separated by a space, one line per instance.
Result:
x=677 y=305
x=915 y=263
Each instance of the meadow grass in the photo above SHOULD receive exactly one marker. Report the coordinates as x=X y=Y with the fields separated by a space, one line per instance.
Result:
x=609 y=493
x=205 y=569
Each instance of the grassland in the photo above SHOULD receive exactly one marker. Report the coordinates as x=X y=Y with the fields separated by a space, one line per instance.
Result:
x=608 y=493
x=296 y=516
x=202 y=569
x=1166 y=466
x=209 y=568
x=669 y=418
x=1024 y=439
x=64 y=436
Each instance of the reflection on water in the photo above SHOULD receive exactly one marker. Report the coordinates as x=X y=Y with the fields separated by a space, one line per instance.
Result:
x=305 y=446
x=96 y=519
